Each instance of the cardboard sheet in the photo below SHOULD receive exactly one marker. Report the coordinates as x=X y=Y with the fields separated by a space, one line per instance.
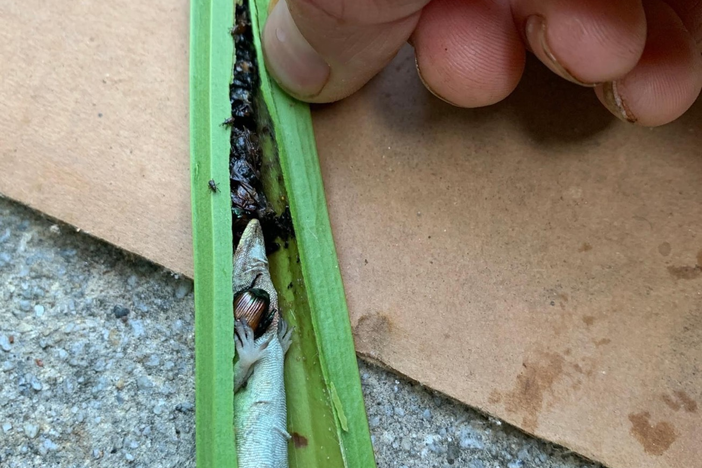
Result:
x=94 y=119
x=537 y=259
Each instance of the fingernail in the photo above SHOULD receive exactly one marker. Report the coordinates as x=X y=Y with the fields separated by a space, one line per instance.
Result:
x=292 y=61
x=535 y=32
x=615 y=103
x=421 y=78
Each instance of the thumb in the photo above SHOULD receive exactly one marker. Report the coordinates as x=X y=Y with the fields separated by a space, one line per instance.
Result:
x=325 y=50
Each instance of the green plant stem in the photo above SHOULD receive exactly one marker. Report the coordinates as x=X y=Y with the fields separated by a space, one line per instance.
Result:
x=297 y=153
x=211 y=56
x=326 y=413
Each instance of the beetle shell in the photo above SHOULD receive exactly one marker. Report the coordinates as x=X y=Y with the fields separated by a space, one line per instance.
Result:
x=251 y=305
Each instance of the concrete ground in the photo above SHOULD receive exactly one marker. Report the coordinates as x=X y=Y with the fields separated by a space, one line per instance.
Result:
x=96 y=369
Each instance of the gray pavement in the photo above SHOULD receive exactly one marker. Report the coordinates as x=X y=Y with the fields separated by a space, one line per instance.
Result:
x=96 y=369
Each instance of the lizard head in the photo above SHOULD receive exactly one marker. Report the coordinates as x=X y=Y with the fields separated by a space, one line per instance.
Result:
x=255 y=297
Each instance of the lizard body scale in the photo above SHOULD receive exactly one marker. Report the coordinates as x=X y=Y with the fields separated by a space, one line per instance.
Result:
x=260 y=413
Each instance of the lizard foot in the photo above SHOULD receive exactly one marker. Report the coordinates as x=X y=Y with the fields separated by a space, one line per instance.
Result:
x=248 y=352
x=284 y=334
x=247 y=349
x=283 y=432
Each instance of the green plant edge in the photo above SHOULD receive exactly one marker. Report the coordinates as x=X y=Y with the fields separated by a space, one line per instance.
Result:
x=211 y=58
x=294 y=135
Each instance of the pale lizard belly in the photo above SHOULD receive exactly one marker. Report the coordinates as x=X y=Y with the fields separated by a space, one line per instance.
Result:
x=260 y=414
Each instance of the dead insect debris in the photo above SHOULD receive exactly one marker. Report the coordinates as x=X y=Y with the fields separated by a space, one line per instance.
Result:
x=245 y=161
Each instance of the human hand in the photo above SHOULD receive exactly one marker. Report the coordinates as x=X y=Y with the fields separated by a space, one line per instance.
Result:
x=643 y=58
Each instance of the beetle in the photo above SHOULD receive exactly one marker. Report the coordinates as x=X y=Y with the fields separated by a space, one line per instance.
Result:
x=252 y=305
x=214 y=186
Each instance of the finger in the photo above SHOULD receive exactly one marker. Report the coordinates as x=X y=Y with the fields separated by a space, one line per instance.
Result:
x=289 y=333
x=468 y=53
x=584 y=41
x=324 y=50
x=690 y=13
x=667 y=79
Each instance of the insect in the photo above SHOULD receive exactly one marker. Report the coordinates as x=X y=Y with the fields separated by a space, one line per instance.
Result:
x=214 y=186
x=252 y=305
x=242 y=24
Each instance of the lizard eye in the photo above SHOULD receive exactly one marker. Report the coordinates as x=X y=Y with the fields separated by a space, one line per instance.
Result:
x=251 y=305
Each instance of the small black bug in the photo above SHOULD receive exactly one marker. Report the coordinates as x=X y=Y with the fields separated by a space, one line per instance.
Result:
x=213 y=186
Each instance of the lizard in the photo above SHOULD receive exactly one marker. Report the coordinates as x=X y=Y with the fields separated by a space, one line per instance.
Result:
x=260 y=413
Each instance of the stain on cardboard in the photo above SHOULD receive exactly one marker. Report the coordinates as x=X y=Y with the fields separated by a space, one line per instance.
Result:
x=586 y=247
x=495 y=397
x=685 y=272
x=679 y=400
x=654 y=439
x=664 y=249
x=535 y=380
x=299 y=440
x=602 y=342
x=588 y=320
x=374 y=329
x=688 y=403
x=671 y=402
